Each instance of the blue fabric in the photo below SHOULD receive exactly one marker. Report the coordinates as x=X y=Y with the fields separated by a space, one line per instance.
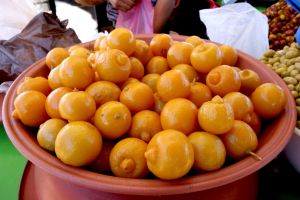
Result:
x=295 y=4
x=298 y=36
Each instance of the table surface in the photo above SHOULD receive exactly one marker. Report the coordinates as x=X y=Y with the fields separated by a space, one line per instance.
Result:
x=277 y=181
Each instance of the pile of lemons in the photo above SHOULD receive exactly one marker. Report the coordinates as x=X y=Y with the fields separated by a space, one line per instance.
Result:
x=130 y=107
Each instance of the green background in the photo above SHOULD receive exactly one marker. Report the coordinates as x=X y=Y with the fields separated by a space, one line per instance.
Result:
x=12 y=164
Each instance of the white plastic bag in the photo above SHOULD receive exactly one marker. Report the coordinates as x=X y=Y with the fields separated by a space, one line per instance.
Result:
x=87 y=30
x=138 y=19
x=226 y=2
x=15 y=14
x=239 y=25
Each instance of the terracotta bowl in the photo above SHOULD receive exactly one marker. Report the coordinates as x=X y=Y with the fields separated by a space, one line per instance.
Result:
x=1 y=102
x=235 y=181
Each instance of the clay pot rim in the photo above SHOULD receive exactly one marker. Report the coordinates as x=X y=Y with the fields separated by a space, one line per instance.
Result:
x=1 y=103
x=154 y=187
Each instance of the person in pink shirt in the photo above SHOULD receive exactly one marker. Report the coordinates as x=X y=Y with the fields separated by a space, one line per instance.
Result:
x=179 y=16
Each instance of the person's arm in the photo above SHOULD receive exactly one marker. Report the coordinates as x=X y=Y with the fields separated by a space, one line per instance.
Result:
x=123 y=5
x=89 y=2
x=162 y=11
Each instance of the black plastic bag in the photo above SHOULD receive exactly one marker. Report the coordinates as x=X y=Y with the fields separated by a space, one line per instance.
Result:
x=44 y=32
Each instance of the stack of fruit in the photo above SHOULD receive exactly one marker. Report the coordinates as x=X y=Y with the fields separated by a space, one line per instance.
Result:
x=283 y=23
x=286 y=63
x=129 y=107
